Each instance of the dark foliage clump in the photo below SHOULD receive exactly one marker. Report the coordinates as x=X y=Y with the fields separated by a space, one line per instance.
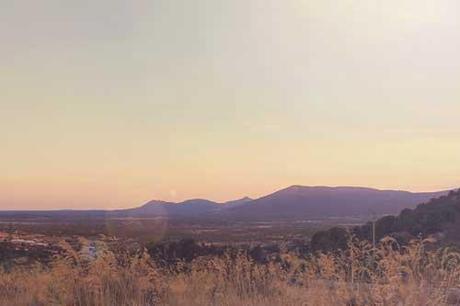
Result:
x=333 y=239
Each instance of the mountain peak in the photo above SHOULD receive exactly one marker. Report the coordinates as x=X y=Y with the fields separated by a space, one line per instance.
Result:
x=303 y=187
x=245 y=199
x=156 y=202
x=239 y=202
x=197 y=202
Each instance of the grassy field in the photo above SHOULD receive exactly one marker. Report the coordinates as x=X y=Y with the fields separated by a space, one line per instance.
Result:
x=362 y=275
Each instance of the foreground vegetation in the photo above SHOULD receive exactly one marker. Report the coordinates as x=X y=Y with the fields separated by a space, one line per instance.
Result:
x=360 y=275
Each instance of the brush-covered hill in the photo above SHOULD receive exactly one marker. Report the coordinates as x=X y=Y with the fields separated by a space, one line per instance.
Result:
x=439 y=217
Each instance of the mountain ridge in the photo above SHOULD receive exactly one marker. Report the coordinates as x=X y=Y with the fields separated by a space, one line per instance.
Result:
x=323 y=201
x=293 y=202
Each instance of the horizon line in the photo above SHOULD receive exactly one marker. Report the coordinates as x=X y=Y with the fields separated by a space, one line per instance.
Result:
x=220 y=202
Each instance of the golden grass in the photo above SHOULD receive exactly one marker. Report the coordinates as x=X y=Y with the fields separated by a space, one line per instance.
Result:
x=388 y=275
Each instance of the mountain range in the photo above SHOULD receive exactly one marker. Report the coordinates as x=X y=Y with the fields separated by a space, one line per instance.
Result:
x=300 y=202
x=295 y=202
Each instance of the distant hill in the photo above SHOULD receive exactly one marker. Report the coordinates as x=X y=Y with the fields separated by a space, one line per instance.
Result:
x=189 y=208
x=299 y=202
x=195 y=207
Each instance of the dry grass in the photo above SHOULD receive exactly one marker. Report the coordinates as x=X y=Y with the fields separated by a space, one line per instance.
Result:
x=388 y=275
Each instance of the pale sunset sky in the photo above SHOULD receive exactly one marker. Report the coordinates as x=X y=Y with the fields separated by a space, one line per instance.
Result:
x=111 y=103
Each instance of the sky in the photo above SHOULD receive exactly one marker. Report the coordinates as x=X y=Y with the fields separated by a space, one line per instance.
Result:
x=111 y=103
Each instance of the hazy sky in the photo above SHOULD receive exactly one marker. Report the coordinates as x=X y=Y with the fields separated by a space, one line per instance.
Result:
x=110 y=103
